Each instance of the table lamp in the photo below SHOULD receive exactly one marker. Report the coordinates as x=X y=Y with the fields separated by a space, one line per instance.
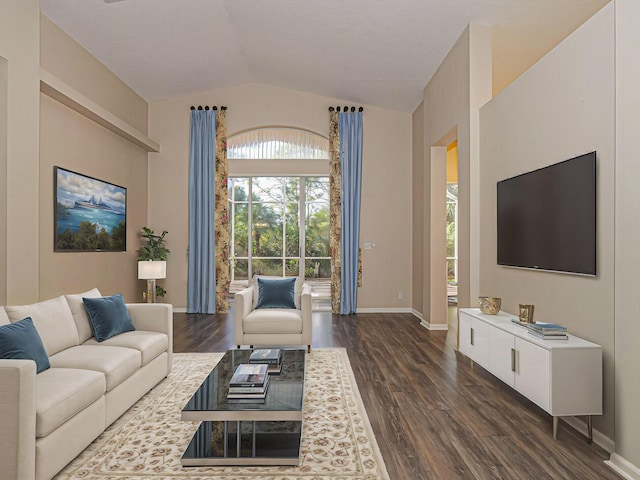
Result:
x=150 y=270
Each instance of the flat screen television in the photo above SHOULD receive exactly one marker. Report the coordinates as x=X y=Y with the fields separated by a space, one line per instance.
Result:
x=547 y=218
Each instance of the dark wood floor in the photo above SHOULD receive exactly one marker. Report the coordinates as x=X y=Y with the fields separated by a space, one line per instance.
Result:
x=434 y=416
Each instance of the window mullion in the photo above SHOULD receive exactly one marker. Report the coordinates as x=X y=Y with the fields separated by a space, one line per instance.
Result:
x=250 y=231
x=302 y=209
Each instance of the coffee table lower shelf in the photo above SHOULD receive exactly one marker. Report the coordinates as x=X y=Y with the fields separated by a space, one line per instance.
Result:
x=259 y=443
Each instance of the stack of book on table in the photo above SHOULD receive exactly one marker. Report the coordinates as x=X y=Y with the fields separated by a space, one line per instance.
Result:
x=271 y=356
x=249 y=384
x=547 y=331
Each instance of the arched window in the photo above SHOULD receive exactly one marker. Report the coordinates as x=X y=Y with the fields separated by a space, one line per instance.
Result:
x=275 y=143
x=279 y=206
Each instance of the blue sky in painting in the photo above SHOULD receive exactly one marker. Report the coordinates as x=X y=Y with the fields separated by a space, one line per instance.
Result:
x=72 y=186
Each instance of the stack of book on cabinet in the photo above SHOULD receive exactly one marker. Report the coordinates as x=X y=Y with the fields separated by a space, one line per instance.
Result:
x=249 y=384
x=271 y=356
x=547 y=331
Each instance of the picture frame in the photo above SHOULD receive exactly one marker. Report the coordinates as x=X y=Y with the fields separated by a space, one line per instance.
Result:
x=90 y=215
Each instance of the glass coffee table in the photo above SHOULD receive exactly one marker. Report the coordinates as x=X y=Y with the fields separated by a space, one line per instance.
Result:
x=266 y=433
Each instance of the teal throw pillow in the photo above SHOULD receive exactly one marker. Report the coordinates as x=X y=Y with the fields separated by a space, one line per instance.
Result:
x=20 y=340
x=276 y=293
x=108 y=316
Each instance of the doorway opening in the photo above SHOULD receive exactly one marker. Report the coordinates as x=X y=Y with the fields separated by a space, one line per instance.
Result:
x=452 y=223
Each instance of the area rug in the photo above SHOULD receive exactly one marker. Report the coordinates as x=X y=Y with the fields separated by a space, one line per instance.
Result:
x=149 y=439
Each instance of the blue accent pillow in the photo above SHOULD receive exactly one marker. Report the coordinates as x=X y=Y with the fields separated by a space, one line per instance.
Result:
x=108 y=316
x=20 y=340
x=276 y=293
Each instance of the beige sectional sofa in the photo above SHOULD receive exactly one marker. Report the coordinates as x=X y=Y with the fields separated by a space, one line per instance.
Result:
x=48 y=418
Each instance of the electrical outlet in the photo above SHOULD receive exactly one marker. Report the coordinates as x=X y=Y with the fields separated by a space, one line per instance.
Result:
x=400 y=295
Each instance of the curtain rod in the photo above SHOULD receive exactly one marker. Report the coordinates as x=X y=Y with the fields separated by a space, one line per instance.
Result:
x=206 y=107
x=346 y=109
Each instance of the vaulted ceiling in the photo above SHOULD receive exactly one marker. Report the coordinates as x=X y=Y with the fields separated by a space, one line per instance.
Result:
x=373 y=52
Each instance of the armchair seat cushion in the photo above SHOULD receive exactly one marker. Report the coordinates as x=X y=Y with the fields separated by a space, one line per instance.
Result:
x=116 y=363
x=61 y=393
x=273 y=321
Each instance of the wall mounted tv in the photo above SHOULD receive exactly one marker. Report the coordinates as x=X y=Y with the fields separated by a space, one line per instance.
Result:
x=547 y=218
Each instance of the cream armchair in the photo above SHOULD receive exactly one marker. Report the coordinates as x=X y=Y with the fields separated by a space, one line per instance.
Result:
x=272 y=326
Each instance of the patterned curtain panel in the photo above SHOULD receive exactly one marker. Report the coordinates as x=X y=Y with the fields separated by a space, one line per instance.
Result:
x=222 y=214
x=335 y=212
x=201 y=283
x=345 y=175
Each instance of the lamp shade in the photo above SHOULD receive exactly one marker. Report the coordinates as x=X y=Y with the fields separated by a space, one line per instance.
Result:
x=152 y=269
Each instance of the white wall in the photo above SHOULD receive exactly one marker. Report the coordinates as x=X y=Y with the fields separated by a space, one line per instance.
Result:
x=562 y=107
x=4 y=87
x=451 y=99
x=20 y=47
x=386 y=200
x=72 y=141
x=417 y=189
x=627 y=231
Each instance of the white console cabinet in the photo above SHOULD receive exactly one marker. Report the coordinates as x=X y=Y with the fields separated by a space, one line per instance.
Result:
x=563 y=377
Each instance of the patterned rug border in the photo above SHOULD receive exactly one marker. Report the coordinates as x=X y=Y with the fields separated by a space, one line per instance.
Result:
x=320 y=454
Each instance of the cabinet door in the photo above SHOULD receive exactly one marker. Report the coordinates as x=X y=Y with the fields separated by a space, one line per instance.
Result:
x=502 y=355
x=532 y=377
x=474 y=339
x=465 y=335
x=480 y=341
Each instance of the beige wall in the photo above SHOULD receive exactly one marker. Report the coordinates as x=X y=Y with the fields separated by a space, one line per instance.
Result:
x=68 y=61
x=71 y=141
x=20 y=47
x=560 y=108
x=4 y=86
x=452 y=98
x=386 y=200
x=627 y=230
x=417 y=191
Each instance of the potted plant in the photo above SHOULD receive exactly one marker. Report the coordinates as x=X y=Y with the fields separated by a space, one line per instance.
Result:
x=152 y=262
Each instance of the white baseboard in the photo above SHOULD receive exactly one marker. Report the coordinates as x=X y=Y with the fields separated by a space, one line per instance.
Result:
x=427 y=325
x=383 y=310
x=599 y=438
x=359 y=310
x=434 y=326
x=623 y=467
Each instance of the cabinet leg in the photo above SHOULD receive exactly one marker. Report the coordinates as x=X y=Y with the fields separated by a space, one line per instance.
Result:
x=590 y=429
x=555 y=428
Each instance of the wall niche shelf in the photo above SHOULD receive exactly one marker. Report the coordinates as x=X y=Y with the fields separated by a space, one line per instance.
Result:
x=63 y=93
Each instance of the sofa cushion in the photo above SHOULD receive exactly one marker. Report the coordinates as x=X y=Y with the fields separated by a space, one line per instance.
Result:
x=79 y=312
x=20 y=340
x=149 y=344
x=276 y=293
x=53 y=320
x=273 y=320
x=116 y=363
x=297 y=293
x=4 y=319
x=63 y=392
x=108 y=316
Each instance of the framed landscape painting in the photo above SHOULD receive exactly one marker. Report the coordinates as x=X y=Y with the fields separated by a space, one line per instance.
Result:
x=90 y=215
